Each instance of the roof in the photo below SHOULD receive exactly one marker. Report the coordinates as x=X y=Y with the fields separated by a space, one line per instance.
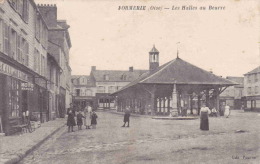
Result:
x=179 y=71
x=117 y=75
x=154 y=50
x=239 y=80
x=78 y=76
x=256 y=70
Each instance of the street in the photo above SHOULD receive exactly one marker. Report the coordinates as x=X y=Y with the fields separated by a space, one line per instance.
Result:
x=149 y=140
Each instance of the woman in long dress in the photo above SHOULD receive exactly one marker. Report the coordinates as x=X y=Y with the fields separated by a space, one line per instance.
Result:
x=86 y=117
x=227 y=111
x=94 y=119
x=204 y=118
x=71 y=120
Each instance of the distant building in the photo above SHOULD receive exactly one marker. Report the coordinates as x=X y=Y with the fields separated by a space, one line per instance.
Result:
x=233 y=95
x=109 y=81
x=83 y=90
x=251 y=90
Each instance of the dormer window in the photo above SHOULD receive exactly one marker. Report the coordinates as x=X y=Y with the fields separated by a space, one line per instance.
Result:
x=106 y=77
x=123 y=77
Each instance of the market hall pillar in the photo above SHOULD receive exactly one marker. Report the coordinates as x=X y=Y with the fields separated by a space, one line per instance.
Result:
x=217 y=98
x=174 y=111
x=207 y=97
x=199 y=103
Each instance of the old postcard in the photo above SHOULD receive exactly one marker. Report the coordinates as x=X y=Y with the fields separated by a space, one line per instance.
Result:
x=129 y=81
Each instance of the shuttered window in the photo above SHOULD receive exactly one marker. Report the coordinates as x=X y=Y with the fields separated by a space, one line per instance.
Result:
x=13 y=43
x=19 y=49
x=6 y=38
x=1 y=35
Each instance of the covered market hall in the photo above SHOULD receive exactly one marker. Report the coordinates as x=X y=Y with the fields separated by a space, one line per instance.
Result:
x=173 y=88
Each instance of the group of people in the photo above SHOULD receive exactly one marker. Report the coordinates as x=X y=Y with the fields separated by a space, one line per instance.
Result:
x=88 y=118
x=205 y=112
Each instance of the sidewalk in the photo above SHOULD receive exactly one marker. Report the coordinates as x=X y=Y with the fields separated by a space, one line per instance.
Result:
x=16 y=147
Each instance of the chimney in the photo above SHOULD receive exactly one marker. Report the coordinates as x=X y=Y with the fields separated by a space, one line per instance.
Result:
x=93 y=68
x=49 y=13
x=131 y=69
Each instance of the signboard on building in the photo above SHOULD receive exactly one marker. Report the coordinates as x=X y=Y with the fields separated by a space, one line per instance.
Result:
x=11 y=71
x=27 y=86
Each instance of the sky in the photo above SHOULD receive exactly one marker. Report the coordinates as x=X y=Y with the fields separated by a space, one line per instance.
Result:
x=224 y=41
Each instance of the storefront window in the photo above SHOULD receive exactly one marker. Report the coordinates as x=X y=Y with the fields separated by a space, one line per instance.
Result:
x=14 y=98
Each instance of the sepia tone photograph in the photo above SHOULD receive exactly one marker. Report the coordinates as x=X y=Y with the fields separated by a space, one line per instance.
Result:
x=129 y=81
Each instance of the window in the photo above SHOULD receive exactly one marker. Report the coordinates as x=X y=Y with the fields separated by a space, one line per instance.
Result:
x=6 y=38
x=101 y=89
x=43 y=66
x=14 y=98
x=1 y=34
x=106 y=77
x=256 y=78
x=25 y=55
x=111 y=89
x=256 y=89
x=37 y=63
x=19 y=49
x=37 y=28
x=88 y=92
x=13 y=43
x=249 y=79
x=77 y=92
x=25 y=10
x=249 y=90
x=21 y=7
x=123 y=77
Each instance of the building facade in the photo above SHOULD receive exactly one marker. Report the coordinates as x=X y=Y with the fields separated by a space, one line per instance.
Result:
x=59 y=44
x=233 y=95
x=84 y=91
x=109 y=81
x=23 y=62
x=251 y=90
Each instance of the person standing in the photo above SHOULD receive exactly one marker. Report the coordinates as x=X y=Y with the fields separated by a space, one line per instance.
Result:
x=89 y=114
x=79 y=120
x=227 y=111
x=204 y=117
x=94 y=119
x=71 y=120
x=86 y=117
x=126 y=117
x=214 y=112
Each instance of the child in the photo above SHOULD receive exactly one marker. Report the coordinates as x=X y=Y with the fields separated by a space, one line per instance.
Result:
x=94 y=120
x=79 y=120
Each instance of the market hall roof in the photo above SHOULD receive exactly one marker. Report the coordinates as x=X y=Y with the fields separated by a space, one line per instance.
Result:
x=179 y=71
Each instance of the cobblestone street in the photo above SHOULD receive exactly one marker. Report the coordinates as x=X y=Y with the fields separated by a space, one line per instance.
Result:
x=155 y=141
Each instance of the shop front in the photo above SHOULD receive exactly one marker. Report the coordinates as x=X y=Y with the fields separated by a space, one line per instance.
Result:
x=20 y=91
x=13 y=99
x=81 y=101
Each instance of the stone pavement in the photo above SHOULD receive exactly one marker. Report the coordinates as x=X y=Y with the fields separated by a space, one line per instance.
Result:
x=16 y=147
